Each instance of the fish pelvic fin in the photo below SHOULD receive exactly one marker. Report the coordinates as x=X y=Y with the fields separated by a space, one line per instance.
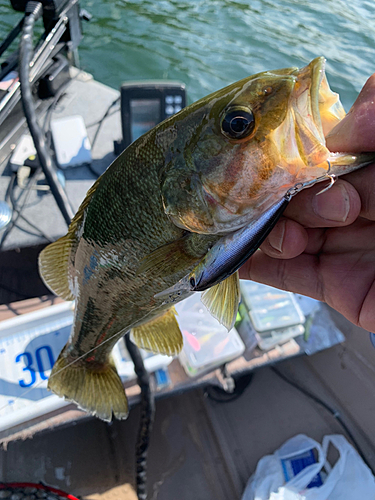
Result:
x=53 y=267
x=96 y=389
x=161 y=335
x=222 y=300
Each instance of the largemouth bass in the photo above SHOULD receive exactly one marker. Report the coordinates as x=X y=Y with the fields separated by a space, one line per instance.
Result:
x=165 y=201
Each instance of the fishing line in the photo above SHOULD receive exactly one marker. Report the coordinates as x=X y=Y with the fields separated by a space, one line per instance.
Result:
x=71 y=363
x=290 y=193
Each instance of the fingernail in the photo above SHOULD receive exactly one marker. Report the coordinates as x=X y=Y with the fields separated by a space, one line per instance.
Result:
x=276 y=236
x=334 y=205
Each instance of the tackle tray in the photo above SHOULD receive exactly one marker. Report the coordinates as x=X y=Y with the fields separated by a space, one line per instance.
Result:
x=207 y=343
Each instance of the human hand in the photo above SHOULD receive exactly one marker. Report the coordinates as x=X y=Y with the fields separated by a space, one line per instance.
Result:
x=324 y=247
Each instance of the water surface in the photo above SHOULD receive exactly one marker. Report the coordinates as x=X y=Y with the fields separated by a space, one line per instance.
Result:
x=208 y=44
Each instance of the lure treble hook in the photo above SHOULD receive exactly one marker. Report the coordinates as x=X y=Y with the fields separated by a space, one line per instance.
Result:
x=329 y=176
x=332 y=179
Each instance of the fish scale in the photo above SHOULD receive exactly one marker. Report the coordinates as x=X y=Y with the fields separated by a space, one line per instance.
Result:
x=206 y=172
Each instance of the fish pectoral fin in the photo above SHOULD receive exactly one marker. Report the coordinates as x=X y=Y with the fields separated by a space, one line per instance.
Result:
x=95 y=389
x=222 y=300
x=161 y=335
x=53 y=266
x=169 y=259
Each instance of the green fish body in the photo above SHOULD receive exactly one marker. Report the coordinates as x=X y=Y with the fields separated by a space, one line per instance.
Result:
x=121 y=221
x=164 y=202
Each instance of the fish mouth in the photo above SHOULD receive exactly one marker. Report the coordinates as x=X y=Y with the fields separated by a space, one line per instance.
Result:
x=314 y=99
x=306 y=95
x=317 y=110
x=313 y=111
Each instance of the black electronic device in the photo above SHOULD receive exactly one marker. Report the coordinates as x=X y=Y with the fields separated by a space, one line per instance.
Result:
x=56 y=75
x=145 y=104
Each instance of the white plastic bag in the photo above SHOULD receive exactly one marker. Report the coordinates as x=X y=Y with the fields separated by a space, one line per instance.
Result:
x=348 y=479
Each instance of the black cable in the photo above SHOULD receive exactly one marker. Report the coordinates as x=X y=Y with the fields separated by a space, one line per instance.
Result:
x=51 y=107
x=219 y=395
x=90 y=125
x=8 y=229
x=15 y=292
x=39 y=232
x=101 y=121
x=333 y=412
x=147 y=417
x=33 y=12
x=48 y=117
x=10 y=186
x=16 y=210
x=9 y=196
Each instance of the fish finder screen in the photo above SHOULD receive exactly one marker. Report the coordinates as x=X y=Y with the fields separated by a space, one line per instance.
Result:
x=145 y=114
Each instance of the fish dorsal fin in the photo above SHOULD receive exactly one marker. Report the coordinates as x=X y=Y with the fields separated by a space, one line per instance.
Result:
x=168 y=259
x=54 y=259
x=222 y=300
x=161 y=335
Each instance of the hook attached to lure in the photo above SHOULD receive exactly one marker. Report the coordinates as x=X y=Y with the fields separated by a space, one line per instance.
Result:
x=329 y=176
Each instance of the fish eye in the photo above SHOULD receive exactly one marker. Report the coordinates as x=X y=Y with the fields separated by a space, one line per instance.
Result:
x=192 y=282
x=238 y=122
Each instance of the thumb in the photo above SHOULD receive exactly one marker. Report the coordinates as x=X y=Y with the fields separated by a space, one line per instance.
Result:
x=355 y=132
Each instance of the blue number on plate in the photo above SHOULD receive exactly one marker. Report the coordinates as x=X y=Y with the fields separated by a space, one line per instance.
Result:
x=39 y=360
x=28 y=367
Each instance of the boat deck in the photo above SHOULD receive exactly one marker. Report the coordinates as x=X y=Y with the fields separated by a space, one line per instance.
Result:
x=200 y=448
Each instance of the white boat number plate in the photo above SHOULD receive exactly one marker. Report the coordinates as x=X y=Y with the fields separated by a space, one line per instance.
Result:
x=29 y=346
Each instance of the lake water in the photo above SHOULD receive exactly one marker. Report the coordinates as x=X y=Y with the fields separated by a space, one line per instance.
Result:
x=209 y=44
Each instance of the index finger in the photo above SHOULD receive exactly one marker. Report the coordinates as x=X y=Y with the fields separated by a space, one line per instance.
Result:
x=356 y=133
